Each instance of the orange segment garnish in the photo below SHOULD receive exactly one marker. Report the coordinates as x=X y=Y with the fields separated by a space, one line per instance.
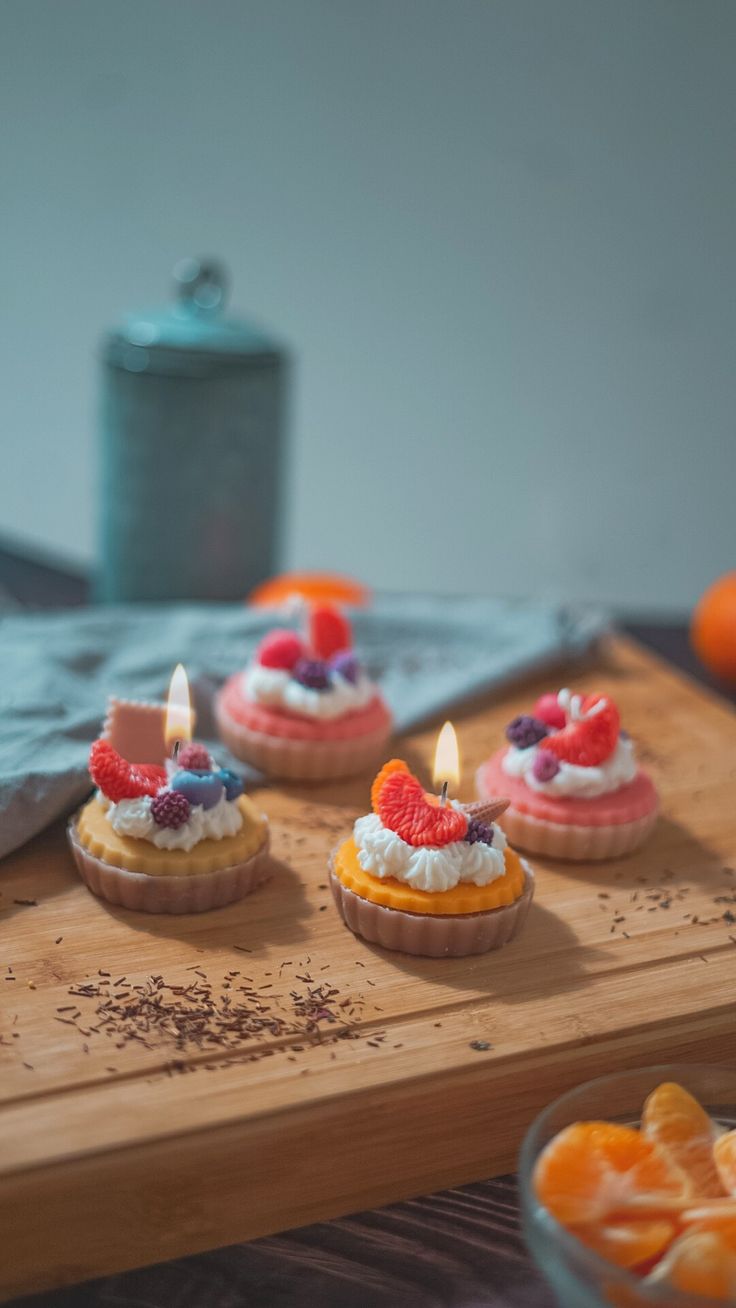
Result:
x=677 y=1123
x=628 y=1243
x=388 y=769
x=724 y=1155
x=592 y=1171
x=701 y=1262
x=404 y=808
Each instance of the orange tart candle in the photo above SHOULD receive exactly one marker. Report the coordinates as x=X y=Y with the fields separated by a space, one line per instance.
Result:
x=427 y=877
x=176 y=836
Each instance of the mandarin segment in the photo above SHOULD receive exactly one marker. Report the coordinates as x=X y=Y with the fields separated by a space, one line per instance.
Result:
x=404 y=808
x=590 y=740
x=388 y=769
x=628 y=1243
x=593 y=1170
x=675 y=1121
x=724 y=1156
x=700 y=1262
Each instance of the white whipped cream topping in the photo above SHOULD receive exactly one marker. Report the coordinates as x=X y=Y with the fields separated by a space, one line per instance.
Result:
x=384 y=854
x=276 y=688
x=584 y=783
x=132 y=817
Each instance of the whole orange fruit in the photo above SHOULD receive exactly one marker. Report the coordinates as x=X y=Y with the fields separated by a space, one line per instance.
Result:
x=713 y=628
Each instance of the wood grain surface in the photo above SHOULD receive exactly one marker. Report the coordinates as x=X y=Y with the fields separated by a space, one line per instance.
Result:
x=113 y=1157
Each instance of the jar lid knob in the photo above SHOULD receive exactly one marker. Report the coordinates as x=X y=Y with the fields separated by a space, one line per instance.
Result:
x=201 y=284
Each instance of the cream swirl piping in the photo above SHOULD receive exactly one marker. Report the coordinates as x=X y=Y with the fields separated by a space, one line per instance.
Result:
x=276 y=688
x=384 y=854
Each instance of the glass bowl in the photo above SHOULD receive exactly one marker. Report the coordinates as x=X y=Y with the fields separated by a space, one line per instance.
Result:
x=579 y=1277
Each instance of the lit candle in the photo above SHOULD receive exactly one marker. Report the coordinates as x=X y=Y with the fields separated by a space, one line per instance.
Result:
x=178 y=722
x=446 y=761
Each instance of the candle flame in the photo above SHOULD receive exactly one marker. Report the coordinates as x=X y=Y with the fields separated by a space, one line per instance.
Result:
x=178 y=726
x=447 y=758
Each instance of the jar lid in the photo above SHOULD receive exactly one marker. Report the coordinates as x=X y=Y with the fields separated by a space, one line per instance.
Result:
x=191 y=335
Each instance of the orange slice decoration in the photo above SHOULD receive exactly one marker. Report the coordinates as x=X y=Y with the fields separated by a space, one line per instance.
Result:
x=399 y=800
x=118 y=779
x=589 y=741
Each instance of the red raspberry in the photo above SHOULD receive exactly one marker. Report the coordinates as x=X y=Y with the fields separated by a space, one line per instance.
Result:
x=329 y=631
x=589 y=741
x=280 y=649
x=118 y=779
x=404 y=808
x=170 y=809
x=194 y=758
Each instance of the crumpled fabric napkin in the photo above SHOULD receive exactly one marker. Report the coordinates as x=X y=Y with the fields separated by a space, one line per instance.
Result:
x=58 y=669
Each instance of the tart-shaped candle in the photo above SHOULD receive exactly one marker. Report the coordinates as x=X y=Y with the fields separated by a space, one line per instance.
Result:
x=304 y=708
x=570 y=772
x=426 y=877
x=177 y=836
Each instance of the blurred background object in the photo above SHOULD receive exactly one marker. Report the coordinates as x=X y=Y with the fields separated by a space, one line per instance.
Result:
x=318 y=586
x=713 y=629
x=497 y=235
x=192 y=427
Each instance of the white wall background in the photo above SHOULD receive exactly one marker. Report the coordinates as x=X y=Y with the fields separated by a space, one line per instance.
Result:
x=499 y=234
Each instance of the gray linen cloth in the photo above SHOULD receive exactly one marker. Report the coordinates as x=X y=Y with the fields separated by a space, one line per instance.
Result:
x=58 y=669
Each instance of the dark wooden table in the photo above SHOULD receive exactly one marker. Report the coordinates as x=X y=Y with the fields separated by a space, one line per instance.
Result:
x=458 y=1249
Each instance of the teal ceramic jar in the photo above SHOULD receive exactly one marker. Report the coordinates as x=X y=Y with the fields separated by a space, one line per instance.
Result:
x=192 y=460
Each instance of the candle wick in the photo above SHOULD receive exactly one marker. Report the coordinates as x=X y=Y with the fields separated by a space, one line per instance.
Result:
x=443 y=795
x=175 y=750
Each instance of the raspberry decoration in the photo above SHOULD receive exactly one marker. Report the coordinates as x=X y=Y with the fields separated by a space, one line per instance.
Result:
x=545 y=765
x=591 y=735
x=329 y=631
x=170 y=809
x=399 y=799
x=478 y=832
x=118 y=779
x=346 y=665
x=548 y=709
x=280 y=649
x=526 y=731
x=312 y=673
x=194 y=758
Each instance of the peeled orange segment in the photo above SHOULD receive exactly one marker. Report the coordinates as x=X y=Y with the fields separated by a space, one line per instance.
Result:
x=404 y=808
x=590 y=740
x=677 y=1123
x=699 y=1262
x=593 y=1170
x=724 y=1156
x=628 y=1243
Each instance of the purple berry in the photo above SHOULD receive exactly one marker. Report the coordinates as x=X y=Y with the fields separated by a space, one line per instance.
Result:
x=313 y=673
x=203 y=788
x=170 y=809
x=526 y=731
x=478 y=832
x=545 y=765
x=346 y=665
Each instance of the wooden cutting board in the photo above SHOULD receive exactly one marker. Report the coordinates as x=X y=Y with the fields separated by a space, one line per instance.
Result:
x=121 y=1146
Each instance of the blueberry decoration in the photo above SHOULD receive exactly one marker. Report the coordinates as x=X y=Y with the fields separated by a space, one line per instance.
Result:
x=203 y=788
x=232 y=783
x=346 y=665
x=526 y=731
x=478 y=832
x=312 y=673
x=545 y=765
